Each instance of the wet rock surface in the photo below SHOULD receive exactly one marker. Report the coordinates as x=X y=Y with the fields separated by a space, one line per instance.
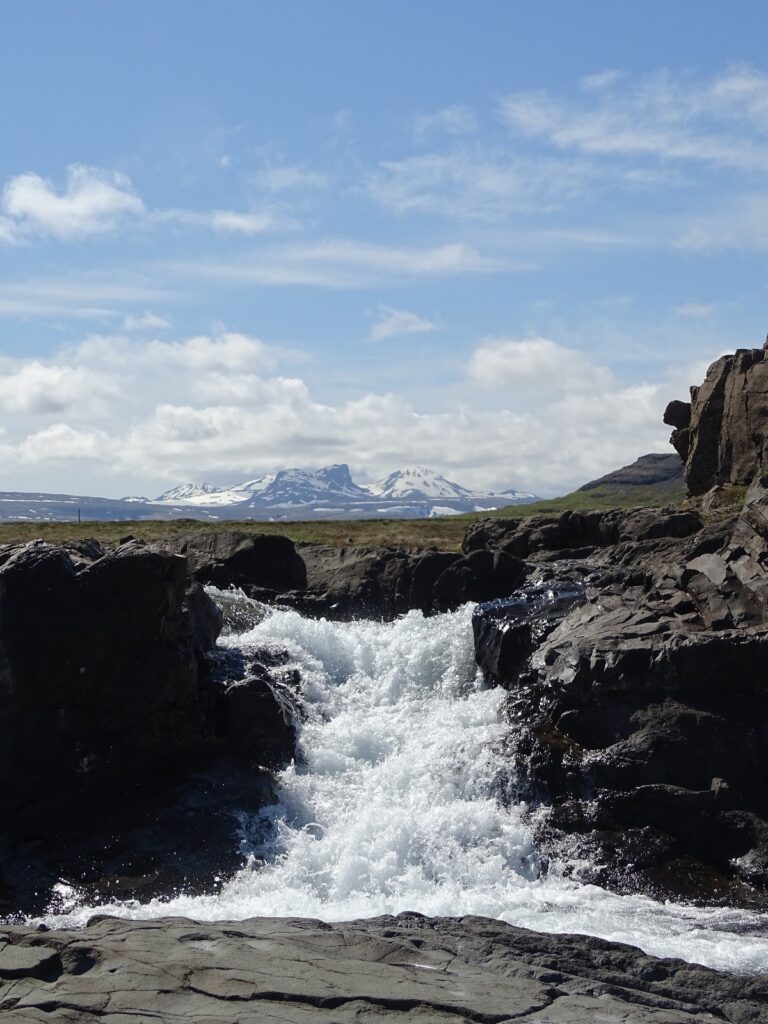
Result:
x=638 y=701
x=400 y=968
x=349 y=582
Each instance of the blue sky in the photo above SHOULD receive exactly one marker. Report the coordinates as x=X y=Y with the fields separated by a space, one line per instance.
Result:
x=491 y=238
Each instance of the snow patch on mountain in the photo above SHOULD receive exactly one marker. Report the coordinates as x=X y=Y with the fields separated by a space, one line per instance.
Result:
x=417 y=482
x=415 y=491
x=186 y=492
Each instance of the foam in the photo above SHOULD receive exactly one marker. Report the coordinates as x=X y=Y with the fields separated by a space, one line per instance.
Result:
x=397 y=804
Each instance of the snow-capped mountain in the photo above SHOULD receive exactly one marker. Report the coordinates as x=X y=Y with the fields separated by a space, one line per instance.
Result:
x=425 y=484
x=201 y=496
x=308 y=486
x=417 y=482
x=331 y=492
x=186 y=492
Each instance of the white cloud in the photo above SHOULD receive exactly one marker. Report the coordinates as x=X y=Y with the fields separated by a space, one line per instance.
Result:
x=214 y=406
x=458 y=119
x=229 y=351
x=475 y=186
x=722 y=120
x=147 y=321
x=503 y=363
x=695 y=310
x=347 y=263
x=600 y=80
x=224 y=221
x=97 y=200
x=392 y=322
x=37 y=388
x=94 y=201
x=286 y=177
x=61 y=442
x=85 y=296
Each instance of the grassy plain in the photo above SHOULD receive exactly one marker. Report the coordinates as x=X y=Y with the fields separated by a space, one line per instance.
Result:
x=445 y=534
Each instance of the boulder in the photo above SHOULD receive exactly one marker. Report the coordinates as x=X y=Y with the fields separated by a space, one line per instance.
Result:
x=99 y=672
x=234 y=558
x=721 y=433
x=479 y=576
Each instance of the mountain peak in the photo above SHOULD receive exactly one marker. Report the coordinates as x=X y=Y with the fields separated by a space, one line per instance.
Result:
x=417 y=482
x=187 y=490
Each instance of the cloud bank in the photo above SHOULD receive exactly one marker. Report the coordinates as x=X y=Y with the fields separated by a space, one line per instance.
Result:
x=220 y=406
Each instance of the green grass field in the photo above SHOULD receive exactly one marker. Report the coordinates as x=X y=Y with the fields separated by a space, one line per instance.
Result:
x=596 y=498
x=444 y=534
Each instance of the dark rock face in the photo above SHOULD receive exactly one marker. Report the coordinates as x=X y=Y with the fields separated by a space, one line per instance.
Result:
x=637 y=693
x=247 y=560
x=118 y=722
x=99 y=680
x=721 y=433
x=578 y=534
x=408 y=967
x=258 y=705
x=507 y=631
x=343 y=583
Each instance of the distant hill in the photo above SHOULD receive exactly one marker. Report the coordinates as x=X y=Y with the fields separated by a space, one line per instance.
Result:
x=661 y=470
x=654 y=479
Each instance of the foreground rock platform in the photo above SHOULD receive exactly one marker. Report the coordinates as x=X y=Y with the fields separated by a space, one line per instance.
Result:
x=408 y=968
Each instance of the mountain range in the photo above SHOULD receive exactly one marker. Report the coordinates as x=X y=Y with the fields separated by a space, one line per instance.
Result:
x=331 y=491
x=328 y=493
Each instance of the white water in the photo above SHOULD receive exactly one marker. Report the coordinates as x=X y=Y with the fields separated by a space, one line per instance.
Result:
x=396 y=807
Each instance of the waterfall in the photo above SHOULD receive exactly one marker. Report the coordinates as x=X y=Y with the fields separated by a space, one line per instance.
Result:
x=397 y=802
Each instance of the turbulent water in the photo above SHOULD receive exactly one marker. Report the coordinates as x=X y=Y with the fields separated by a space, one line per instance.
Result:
x=397 y=804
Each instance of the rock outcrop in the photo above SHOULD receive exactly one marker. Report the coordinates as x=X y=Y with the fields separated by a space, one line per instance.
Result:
x=101 y=685
x=409 y=967
x=578 y=534
x=721 y=433
x=112 y=697
x=348 y=582
x=637 y=692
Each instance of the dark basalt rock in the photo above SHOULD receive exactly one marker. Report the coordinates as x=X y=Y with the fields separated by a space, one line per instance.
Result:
x=347 y=582
x=258 y=704
x=110 y=696
x=643 y=708
x=508 y=630
x=721 y=434
x=479 y=576
x=232 y=558
x=407 y=967
x=99 y=673
x=579 y=534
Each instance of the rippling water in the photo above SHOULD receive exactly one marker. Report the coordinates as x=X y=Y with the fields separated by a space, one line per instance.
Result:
x=396 y=806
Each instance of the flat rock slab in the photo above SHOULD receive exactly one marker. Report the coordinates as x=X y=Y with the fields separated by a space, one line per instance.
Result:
x=408 y=968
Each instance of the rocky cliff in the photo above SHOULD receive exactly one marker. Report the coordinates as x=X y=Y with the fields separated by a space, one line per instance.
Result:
x=635 y=655
x=721 y=433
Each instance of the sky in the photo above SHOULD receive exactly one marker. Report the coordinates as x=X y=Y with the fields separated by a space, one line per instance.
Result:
x=493 y=238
